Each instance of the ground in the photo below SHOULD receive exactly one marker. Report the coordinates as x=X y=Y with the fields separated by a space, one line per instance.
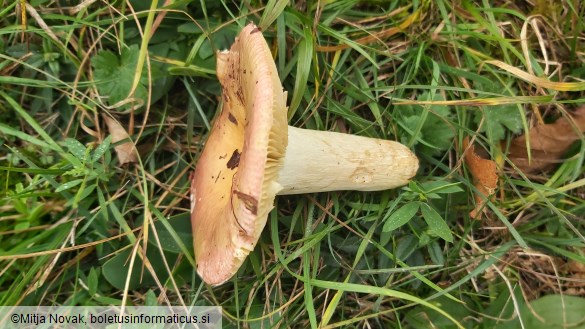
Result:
x=105 y=107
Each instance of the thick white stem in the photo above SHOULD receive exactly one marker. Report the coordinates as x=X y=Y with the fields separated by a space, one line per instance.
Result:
x=319 y=161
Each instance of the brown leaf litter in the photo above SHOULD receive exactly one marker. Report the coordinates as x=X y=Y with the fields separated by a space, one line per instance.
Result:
x=485 y=177
x=540 y=274
x=548 y=143
x=126 y=151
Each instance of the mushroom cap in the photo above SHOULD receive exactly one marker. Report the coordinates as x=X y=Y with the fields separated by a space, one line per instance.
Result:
x=234 y=184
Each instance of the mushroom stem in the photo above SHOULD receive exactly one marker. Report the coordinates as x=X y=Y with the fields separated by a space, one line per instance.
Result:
x=320 y=161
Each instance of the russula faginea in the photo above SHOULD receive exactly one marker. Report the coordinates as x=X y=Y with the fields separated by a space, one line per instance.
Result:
x=251 y=155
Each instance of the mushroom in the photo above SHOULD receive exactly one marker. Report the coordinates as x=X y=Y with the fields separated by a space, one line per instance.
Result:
x=252 y=155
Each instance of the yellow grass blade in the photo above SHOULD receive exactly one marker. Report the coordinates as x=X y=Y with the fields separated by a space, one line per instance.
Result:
x=541 y=82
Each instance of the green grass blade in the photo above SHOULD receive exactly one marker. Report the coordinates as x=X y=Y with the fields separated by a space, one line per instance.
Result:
x=304 y=61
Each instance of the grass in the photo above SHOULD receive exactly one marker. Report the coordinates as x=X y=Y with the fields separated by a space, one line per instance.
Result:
x=429 y=74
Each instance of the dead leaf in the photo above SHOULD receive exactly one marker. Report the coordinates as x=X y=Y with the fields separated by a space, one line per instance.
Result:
x=485 y=177
x=576 y=266
x=548 y=143
x=126 y=151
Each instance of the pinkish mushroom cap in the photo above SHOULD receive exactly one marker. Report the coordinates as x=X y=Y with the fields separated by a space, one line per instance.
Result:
x=234 y=184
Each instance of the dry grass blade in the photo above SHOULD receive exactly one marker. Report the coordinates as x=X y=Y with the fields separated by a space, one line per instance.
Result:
x=538 y=81
x=477 y=101
x=384 y=34
x=548 y=143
